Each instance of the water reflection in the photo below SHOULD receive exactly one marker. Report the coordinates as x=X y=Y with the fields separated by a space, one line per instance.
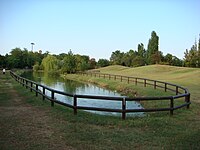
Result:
x=74 y=87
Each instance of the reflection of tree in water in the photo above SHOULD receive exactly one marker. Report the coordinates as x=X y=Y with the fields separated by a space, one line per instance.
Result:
x=48 y=79
x=36 y=76
x=55 y=82
x=71 y=86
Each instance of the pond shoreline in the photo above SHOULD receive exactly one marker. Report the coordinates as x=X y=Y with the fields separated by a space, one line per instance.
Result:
x=122 y=90
x=77 y=87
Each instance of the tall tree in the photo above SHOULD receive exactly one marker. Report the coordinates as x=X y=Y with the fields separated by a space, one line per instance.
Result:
x=141 y=58
x=141 y=50
x=152 y=49
x=192 y=56
x=186 y=58
x=198 y=53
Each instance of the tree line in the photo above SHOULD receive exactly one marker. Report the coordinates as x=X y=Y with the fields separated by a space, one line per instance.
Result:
x=19 y=58
x=71 y=63
x=68 y=63
x=152 y=55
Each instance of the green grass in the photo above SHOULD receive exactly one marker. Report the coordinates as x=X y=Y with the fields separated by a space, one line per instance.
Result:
x=90 y=131
x=177 y=75
x=187 y=77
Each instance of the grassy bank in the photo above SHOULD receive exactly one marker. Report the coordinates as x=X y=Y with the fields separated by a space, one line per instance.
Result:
x=187 y=77
x=36 y=125
x=177 y=75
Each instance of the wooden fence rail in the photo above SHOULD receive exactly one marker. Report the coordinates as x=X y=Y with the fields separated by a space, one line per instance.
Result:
x=180 y=92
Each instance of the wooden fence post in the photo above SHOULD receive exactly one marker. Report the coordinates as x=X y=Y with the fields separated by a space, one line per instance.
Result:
x=31 y=86
x=188 y=106
x=187 y=99
x=176 y=90
x=154 y=84
x=75 y=105
x=124 y=108
x=171 y=106
x=26 y=84
x=36 y=88
x=52 y=98
x=43 y=92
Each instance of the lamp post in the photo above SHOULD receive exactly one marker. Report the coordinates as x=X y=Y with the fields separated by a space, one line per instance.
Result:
x=32 y=46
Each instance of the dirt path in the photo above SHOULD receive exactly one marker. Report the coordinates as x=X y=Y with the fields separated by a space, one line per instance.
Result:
x=24 y=126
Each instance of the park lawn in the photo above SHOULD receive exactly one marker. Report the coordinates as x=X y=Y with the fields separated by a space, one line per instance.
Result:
x=184 y=76
x=58 y=128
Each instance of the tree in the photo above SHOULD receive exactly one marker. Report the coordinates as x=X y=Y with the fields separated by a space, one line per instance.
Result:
x=116 y=58
x=128 y=58
x=61 y=56
x=141 y=50
x=30 y=59
x=168 y=59
x=92 y=63
x=199 y=43
x=50 y=63
x=198 y=53
x=186 y=58
x=141 y=58
x=176 y=61
x=156 y=57
x=192 y=57
x=22 y=58
x=69 y=63
x=153 y=48
x=15 y=59
x=103 y=63
x=2 y=61
x=82 y=62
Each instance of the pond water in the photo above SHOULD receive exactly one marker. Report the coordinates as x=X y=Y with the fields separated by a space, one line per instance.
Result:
x=74 y=87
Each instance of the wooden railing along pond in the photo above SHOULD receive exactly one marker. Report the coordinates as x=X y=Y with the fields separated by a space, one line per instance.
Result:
x=180 y=92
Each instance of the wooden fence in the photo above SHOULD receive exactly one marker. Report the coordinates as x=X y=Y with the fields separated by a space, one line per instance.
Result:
x=180 y=92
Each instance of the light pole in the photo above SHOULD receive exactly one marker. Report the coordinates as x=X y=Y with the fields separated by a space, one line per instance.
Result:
x=32 y=46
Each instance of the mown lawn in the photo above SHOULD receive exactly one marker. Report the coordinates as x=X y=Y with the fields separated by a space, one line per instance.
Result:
x=90 y=131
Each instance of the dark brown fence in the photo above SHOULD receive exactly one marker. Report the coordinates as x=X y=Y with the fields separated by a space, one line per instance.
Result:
x=180 y=92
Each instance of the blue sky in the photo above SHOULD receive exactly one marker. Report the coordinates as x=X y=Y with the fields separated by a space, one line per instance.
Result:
x=98 y=27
